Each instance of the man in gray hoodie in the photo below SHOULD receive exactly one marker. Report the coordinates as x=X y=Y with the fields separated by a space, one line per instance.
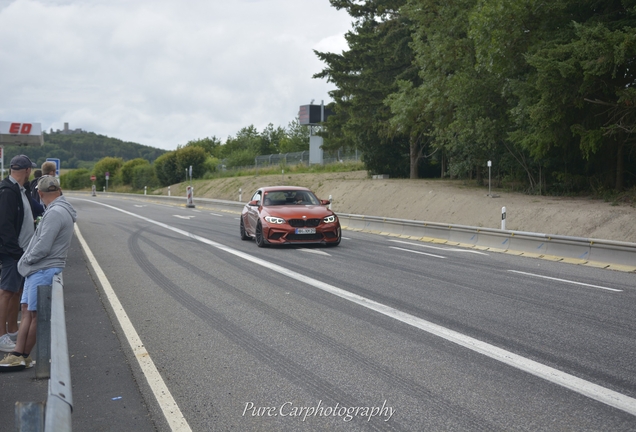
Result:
x=44 y=257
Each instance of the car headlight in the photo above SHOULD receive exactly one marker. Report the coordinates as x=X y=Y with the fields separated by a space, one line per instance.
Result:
x=274 y=220
x=330 y=219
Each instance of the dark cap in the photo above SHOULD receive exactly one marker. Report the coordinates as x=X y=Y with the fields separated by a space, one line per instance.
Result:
x=48 y=184
x=21 y=162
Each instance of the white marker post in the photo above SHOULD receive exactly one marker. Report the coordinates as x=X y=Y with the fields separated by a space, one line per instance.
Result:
x=240 y=194
x=168 y=190
x=503 y=218
x=145 y=190
x=329 y=202
x=489 y=167
x=189 y=201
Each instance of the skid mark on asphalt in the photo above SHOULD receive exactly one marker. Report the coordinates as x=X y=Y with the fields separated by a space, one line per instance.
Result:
x=294 y=372
x=578 y=385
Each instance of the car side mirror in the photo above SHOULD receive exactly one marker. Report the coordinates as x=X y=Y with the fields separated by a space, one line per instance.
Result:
x=253 y=203
x=325 y=202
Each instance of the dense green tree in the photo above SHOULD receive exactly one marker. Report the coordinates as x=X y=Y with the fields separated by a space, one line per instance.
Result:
x=296 y=138
x=210 y=145
x=144 y=175
x=192 y=156
x=379 y=56
x=108 y=165
x=166 y=169
x=271 y=139
x=127 y=170
x=567 y=69
x=76 y=179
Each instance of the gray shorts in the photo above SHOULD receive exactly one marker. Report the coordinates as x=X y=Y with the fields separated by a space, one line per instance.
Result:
x=10 y=279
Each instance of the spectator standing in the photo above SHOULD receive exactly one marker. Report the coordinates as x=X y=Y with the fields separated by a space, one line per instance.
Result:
x=16 y=229
x=44 y=257
x=34 y=183
x=49 y=168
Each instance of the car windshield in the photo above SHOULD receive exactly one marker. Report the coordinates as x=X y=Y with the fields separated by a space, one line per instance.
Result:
x=290 y=197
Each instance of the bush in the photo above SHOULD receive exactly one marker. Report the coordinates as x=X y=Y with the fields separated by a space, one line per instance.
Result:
x=128 y=167
x=194 y=157
x=166 y=169
x=76 y=179
x=109 y=165
x=144 y=175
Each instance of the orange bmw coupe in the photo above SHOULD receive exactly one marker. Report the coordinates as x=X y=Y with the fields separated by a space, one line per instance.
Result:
x=289 y=215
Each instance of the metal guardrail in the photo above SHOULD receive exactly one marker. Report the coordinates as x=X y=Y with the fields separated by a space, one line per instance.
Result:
x=607 y=253
x=51 y=344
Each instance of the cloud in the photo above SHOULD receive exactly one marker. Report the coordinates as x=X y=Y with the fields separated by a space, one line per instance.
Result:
x=163 y=72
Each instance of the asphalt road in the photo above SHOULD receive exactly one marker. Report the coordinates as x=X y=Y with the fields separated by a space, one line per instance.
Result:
x=380 y=333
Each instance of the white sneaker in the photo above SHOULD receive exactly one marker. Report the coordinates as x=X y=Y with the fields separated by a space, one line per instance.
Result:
x=6 y=344
x=13 y=336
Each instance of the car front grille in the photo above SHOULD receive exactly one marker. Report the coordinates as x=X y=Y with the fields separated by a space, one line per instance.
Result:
x=299 y=223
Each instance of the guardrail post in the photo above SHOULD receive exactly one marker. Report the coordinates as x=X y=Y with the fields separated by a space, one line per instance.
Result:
x=43 y=333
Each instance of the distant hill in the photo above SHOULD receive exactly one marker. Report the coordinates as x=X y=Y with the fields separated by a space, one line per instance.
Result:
x=82 y=150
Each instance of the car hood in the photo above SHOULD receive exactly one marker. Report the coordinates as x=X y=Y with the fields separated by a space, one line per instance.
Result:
x=298 y=211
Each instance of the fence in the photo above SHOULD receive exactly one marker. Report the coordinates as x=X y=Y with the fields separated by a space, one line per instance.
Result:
x=293 y=158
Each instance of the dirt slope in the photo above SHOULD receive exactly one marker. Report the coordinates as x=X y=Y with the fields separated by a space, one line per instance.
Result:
x=442 y=201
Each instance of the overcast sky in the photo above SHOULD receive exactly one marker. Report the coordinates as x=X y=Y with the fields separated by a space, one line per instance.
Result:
x=164 y=72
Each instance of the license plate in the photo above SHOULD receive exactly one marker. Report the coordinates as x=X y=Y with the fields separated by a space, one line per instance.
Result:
x=305 y=230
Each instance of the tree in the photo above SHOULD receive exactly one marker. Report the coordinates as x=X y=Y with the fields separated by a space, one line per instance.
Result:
x=128 y=167
x=108 y=165
x=567 y=65
x=144 y=176
x=271 y=139
x=379 y=56
x=167 y=170
x=296 y=138
x=210 y=145
x=194 y=157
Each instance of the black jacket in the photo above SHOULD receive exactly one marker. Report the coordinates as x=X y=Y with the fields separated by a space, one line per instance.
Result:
x=11 y=217
x=36 y=207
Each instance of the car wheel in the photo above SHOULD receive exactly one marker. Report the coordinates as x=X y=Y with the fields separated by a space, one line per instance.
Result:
x=244 y=235
x=260 y=240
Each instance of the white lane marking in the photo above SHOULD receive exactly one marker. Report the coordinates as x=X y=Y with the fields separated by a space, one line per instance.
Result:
x=345 y=238
x=183 y=217
x=417 y=252
x=168 y=405
x=441 y=248
x=216 y=214
x=197 y=211
x=137 y=205
x=566 y=281
x=315 y=251
x=578 y=385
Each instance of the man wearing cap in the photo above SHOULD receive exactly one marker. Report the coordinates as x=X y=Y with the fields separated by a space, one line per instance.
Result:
x=44 y=257
x=16 y=229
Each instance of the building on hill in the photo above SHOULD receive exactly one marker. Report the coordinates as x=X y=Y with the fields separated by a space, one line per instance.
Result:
x=67 y=131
